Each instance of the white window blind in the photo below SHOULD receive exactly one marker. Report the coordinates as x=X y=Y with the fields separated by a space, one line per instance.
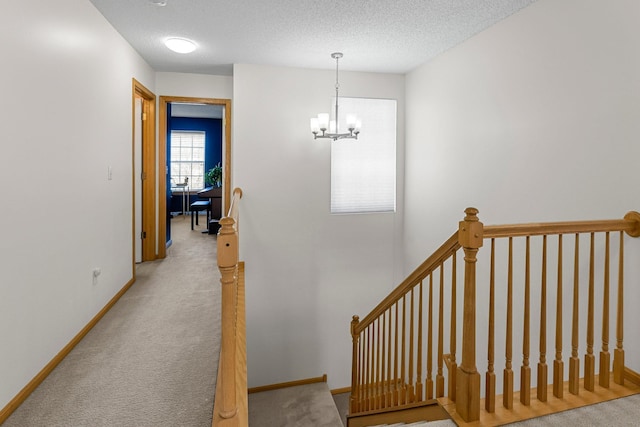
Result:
x=363 y=171
x=187 y=158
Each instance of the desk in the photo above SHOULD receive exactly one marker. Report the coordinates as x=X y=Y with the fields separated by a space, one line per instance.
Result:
x=185 y=194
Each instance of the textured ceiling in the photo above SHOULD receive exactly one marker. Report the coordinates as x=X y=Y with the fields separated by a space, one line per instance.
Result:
x=389 y=36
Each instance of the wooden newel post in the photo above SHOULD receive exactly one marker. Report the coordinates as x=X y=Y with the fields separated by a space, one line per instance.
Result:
x=353 y=402
x=470 y=235
x=228 y=265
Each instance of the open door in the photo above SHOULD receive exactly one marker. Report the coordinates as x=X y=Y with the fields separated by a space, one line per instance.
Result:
x=163 y=166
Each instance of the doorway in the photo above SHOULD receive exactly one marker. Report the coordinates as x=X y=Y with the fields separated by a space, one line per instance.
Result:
x=164 y=107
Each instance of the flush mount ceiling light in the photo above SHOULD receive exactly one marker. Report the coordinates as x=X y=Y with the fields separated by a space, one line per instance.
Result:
x=180 y=45
x=321 y=124
x=158 y=2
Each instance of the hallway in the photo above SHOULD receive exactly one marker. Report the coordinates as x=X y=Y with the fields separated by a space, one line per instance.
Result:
x=152 y=360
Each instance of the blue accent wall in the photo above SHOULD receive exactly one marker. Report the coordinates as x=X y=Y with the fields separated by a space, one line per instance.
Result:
x=213 y=138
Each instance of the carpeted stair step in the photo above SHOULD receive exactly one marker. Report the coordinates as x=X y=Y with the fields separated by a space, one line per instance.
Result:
x=299 y=406
x=438 y=423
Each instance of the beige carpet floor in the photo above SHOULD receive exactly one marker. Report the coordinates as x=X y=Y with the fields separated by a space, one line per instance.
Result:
x=308 y=405
x=152 y=360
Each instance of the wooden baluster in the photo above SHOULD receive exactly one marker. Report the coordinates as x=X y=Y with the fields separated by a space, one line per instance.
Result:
x=470 y=236
x=453 y=366
x=383 y=383
x=375 y=364
x=372 y=366
x=403 y=351
x=525 y=369
x=542 y=364
x=363 y=371
x=574 y=361
x=396 y=391
x=507 y=388
x=558 y=364
x=389 y=397
x=430 y=341
x=367 y=364
x=605 y=357
x=419 y=364
x=380 y=361
x=618 y=353
x=490 y=379
x=440 y=375
x=367 y=380
x=589 y=358
x=411 y=390
x=353 y=406
x=358 y=404
x=228 y=265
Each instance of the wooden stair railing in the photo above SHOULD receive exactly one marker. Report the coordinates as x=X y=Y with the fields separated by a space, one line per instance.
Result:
x=389 y=343
x=230 y=406
x=386 y=366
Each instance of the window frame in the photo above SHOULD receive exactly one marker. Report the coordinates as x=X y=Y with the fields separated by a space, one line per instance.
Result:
x=179 y=179
x=360 y=189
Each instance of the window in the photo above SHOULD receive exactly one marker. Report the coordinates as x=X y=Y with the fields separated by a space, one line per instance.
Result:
x=187 y=158
x=363 y=171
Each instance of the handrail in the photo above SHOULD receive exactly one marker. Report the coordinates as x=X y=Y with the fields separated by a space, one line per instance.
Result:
x=228 y=264
x=629 y=224
x=429 y=265
x=233 y=207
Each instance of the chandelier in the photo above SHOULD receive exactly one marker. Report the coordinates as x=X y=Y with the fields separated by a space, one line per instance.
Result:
x=322 y=127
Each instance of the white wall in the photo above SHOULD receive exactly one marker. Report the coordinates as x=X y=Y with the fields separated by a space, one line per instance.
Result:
x=307 y=271
x=194 y=85
x=65 y=117
x=534 y=119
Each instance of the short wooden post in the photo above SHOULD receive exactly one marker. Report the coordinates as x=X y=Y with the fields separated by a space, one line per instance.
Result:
x=228 y=264
x=470 y=235
x=618 y=354
x=353 y=402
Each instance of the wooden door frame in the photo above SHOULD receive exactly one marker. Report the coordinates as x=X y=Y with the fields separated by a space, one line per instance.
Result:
x=162 y=157
x=148 y=171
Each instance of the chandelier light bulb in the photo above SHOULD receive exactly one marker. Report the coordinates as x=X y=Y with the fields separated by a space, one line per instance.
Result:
x=323 y=121
x=315 y=127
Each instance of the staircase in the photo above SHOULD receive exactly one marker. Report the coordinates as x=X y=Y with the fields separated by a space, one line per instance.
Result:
x=401 y=369
x=313 y=405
